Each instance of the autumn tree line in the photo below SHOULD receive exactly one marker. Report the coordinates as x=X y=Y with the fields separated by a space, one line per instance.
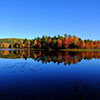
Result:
x=47 y=42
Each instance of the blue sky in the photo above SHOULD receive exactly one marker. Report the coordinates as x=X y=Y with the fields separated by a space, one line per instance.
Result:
x=32 y=18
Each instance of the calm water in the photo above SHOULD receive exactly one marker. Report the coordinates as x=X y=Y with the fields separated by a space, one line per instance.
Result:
x=45 y=75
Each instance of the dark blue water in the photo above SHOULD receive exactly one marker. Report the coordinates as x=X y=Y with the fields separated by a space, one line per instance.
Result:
x=36 y=79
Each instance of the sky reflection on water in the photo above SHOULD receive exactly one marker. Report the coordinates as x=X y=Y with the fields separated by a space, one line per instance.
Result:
x=31 y=79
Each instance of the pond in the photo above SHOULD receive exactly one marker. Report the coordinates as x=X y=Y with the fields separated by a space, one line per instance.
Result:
x=49 y=75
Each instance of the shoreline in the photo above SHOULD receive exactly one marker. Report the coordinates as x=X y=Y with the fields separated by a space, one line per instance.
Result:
x=73 y=50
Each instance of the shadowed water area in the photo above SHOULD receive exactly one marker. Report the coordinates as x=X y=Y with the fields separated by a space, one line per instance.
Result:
x=49 y=75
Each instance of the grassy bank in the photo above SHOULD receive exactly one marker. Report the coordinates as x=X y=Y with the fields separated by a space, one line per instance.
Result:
x=79 y=49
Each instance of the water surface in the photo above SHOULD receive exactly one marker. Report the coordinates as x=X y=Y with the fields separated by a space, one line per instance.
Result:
x=49 y=75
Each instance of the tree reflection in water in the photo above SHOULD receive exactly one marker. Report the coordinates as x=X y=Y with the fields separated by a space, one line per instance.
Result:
x=50 y=56
x=35 y=89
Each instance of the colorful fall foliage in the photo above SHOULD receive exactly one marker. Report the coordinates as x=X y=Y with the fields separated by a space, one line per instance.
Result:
x=47 y=42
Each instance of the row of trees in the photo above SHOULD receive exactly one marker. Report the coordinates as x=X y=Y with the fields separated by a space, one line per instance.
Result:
x=56 y=42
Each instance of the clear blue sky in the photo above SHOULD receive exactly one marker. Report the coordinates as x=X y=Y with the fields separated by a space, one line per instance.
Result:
x=32 y=18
